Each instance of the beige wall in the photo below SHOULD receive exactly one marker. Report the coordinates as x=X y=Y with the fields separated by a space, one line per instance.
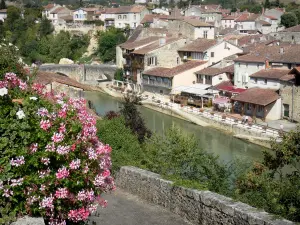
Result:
x=274 y=110
x=291 y=98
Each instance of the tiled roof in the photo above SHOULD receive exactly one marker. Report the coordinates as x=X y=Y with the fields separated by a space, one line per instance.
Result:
x=270 y=17
x=228 y=86
x=171 y=72
x=197 y=23
x=264 y=23
x=90 y=9
x=198 y=45
x=247 y=17
x=228 y=69
x=149 y=18
x=257 y=96
x=47 y=78
x=226 y=31
x=49 y=6
x=125 y=9
x=230 y=17
x=57 y=10
x=210 y=71
x=132 y=45
x=271 y=73
x=154 y=46
x=292 y=29
x=288 y=78
x=3 y=10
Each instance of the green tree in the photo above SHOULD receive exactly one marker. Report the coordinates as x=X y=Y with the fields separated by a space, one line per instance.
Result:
x=60 y=46
x=297 y=13
x=13 y=16
x=267 y=4
x=2 y=4
x=107 y=42
x=45 y=27
x=119 y=75
x=289 y=20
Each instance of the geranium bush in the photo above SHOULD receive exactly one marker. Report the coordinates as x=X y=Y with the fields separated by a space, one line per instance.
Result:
x=52 y=163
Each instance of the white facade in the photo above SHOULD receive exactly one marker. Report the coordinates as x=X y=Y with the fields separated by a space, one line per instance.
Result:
x=79 y=15
x=3 y=14
x=228 y=23
x=221 y=51
x=212 y=80
x=131 y=19
x=243 y=70
x=264 y=83
x=47 y=12
x=246 y=25
x=204 y=32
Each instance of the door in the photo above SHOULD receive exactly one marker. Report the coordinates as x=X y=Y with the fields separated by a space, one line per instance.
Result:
x=286 y=110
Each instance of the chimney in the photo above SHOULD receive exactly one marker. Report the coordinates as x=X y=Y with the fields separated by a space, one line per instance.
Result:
x=281 y=51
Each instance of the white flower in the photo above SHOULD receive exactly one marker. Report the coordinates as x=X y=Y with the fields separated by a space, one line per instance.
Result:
x=20 y=114
x=33 y=98
x=3 y=91
x=10 y=44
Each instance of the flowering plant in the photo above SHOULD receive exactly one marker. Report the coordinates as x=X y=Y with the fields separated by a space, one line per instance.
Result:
x=52 y=165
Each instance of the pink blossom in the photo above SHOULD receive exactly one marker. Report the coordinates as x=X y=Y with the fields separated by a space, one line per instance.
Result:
x=38 y=88
x=47 y=202
x=16 y=182
x=50 y=147
x=18 y=161
x=86 y=195
x=103 y=149
x=3 y=84
x=1 y=185
x=57 y=137
x=43 y=187
x=33 y=147
x=12 y=78
x=62 y=128
x=22 y=85
x=76 y=215
x=86 y=169
x=62 y=113
x=45 y=161
x=75 y=164
x=62 y=193
x=63 y=150
x=92 y=208
x=99 y=180
x=105 y=173
x=91 y=153
x=44 y=173
x=32 y=199
x=43 y=112
x=62 y=173
x=7 y=193
x=45 y=124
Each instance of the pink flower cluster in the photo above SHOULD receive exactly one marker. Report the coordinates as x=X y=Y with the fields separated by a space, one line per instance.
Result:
x=62 y=173
x=62 y=193
x=43 y=112
x=11 y=80
x=45 y=161
x=75 y=164
x=77 y=215
x=47 y=202
x=45 y=124
x=86 y=195
x=63 y=150
x=57 y=137
x=38 y=88
x=7 y=193
x=18 y=161
x=33 y=148
x=16 y=182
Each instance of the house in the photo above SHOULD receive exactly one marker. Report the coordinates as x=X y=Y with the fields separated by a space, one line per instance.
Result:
x=229 y=21
x=263 y=26
x=130 y=16
x=148 y=53
x=264 y=57
x=290 y=94
x=274 y=21
x=56 y=14
x=275 y=13
x=191 y=28
x=162 y=80
x=267 y=78
x=291 y=35
x=149 y=19
x=258 y=103
x=3 y=14
x=108 y=16
x=48 y=8
x=246 y=22
x=212 y=76
x=210 y=50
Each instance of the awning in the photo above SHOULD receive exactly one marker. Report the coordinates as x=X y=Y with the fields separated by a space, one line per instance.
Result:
x=195 y=89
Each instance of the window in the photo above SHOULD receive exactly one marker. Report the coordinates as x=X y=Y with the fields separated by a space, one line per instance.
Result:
x=152 y=61
x=124 y=17
x=134 y=24
x=207 y=77
x=119 y=17
x=257 y=66
x=255 y=80
x=239 y=65
x=212 y=54
x=265 y=82
x=134 y=17
x=225 y=45
x=249 y=107
x=178 y=60
x=205 y=34
x=247 y=65
x=260 y=109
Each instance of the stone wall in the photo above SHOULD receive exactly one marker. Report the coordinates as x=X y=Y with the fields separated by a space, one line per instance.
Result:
x=198 y=207
x=291 y=98
x=292 y=37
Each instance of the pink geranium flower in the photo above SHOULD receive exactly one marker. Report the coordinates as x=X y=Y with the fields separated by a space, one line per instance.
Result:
x=62 y=173
x=45 y=124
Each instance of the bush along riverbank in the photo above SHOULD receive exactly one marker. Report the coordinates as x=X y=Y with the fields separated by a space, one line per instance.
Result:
x=176 y=156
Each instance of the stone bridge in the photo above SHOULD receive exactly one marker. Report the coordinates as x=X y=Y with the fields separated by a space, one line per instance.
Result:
x=86 y=74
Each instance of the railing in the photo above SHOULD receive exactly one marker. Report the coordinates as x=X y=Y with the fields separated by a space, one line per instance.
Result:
x=156 y=83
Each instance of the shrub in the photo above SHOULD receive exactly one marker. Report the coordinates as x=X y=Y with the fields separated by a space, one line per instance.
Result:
x=52 y=163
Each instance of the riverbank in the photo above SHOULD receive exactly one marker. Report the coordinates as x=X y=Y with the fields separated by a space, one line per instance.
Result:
x=241 y=131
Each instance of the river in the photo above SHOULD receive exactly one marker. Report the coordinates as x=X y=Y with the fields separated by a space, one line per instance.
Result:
x=212 y=140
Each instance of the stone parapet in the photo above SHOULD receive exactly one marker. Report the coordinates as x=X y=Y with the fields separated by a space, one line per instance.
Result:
x=198 y=207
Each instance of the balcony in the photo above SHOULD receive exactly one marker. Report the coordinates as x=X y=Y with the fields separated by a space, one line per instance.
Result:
x=157 y=83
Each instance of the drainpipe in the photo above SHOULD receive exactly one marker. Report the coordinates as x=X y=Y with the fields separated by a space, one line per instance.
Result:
x=292 y=116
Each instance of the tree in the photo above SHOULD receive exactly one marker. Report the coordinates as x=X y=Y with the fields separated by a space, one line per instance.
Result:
x=297 y=13
x=119 y=75
x=107 y=42
x=289 y=20
x=45 y=27
x=2 y=4
x=267 y=4
x=133 y=118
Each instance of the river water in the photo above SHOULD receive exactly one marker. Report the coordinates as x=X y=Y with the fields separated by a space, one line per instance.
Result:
x=212 y=140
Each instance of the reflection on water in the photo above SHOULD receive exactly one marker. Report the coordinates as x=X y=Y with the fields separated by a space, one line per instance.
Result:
x=210 y=139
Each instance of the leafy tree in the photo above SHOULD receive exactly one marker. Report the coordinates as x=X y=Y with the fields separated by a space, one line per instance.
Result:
x=289 y=20
x=45 y=27
x=297 y=13
x=234 y=9
x=2 y=4
x=13 y=16
x=60 y=46
x=107 y=42
x=267 y=4
x=119 y=75
x=133 y=118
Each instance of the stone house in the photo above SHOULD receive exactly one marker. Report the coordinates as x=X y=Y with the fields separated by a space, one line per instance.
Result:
x=209 y=50
x=191 y=28
x=263 y=26
x=3 y=14
x=212 y=76
x=58 y=14
x=162 y=80
x=275 y=13
x=291 y=35
x=48 y=8
x=246 y=22
x=229 y=21
x=290 y=94
x=259 y=103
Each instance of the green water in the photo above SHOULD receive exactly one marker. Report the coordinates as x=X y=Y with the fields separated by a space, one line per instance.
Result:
x=210 y=139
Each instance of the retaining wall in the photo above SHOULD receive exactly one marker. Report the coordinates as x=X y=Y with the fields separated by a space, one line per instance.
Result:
x=198 y=207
